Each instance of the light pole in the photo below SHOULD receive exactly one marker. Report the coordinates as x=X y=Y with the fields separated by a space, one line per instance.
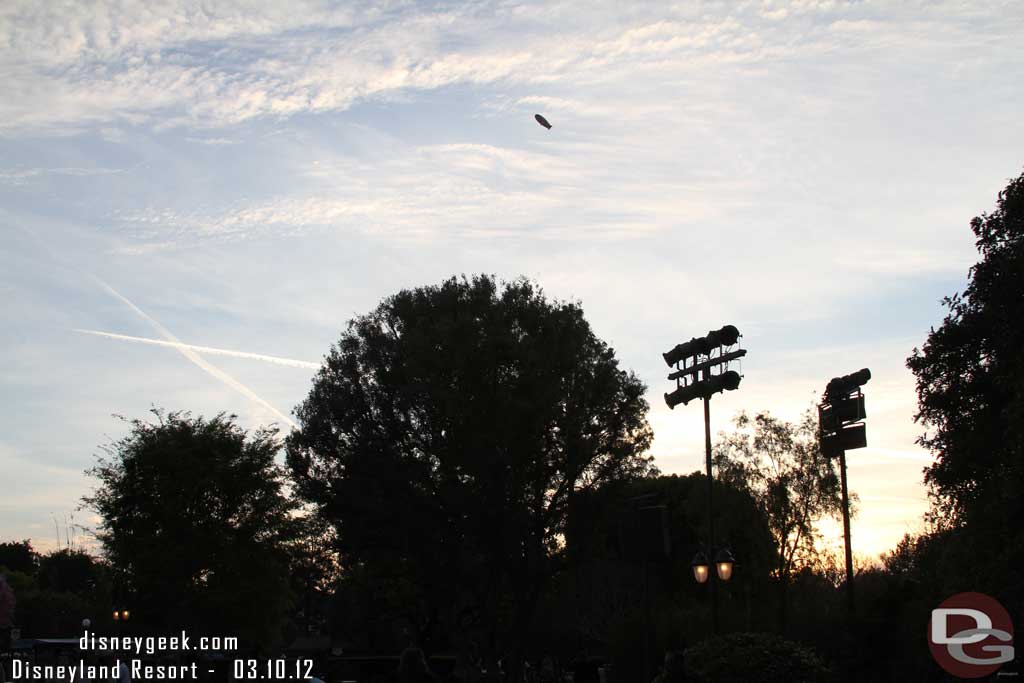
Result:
x=644 y=531
x=694 y=361
x=840 y=421
x=724 y=564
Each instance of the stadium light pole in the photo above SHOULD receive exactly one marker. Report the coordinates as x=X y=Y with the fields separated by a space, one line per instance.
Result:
x=841 y=428
x=694 y=361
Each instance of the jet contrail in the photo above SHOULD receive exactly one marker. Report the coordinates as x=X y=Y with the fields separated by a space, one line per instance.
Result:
x=290 y=362
x=184 y=350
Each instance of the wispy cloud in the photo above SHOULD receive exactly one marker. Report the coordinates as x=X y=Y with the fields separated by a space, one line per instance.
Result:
x=194 y=357
x=20 y=176
x=451 y=190
x=212 y=141
x=277 y=360
x=128 y=61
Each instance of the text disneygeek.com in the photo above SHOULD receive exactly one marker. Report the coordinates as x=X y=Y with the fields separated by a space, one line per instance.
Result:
x=152 y=644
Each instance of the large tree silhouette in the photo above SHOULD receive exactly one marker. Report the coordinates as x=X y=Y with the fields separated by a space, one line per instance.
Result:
x=970 y=373
x=196 y=526
x=446 y=434
x=18 y=556
x=7 y=603
x=970 y=388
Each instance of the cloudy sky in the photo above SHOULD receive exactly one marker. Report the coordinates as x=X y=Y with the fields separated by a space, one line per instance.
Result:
x=247 y=177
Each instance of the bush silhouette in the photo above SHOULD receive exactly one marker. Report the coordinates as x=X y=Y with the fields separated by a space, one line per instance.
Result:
x=743 y=657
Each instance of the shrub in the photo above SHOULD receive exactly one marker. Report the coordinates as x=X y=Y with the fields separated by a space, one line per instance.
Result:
x=743 y=657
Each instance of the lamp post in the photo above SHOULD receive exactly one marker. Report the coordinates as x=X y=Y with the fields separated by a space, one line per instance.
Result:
x=120 y=616
x=644 y=533
x=694 y=361
x=724 y=564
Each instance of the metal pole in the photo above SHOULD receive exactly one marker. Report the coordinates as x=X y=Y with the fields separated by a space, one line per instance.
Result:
x=711 y=512
x=846 y=534
x=647 y=623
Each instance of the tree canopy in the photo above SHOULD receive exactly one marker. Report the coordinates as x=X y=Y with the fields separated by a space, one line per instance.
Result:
x=615 y=541
x=7 y=603
x=970 y=377
x=50 y=593
x=195 y=525
x=781 y=465
x=970 y=388
x=19 y=556
x=69 y=571
x=446 y=434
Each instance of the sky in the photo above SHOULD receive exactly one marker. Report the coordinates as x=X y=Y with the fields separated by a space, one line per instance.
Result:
x=196 y=197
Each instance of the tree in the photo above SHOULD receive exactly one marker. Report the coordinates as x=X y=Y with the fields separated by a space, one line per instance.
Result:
x=19 y=557
x=970 y=378
x=60 y=589
x=781 y=465
x=7 y=603
x=970 y=390
x=601 y=598
x=445 y=436
x=754 y=656
x=68 y=571
x=195 y=525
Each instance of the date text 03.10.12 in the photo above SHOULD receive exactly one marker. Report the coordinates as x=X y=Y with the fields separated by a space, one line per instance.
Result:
x=272 y=669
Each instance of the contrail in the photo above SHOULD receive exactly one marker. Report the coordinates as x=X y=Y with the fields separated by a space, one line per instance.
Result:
x=290 y=362
x=183 y=349
x=194 y=357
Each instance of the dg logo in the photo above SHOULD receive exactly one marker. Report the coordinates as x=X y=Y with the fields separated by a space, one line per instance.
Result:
x=970 y=635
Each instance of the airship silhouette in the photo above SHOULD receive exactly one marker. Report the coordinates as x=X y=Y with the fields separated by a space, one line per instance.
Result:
x=542 y=121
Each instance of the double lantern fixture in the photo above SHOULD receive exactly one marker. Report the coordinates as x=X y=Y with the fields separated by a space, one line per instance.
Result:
x=724 y=562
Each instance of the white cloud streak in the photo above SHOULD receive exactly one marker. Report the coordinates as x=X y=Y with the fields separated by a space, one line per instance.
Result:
x=277 y=360
x=128 y=61
x=24 y=175
x=194 y=357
